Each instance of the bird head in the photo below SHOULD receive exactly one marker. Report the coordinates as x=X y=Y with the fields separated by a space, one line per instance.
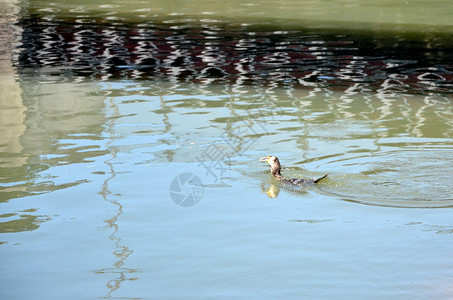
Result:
x=269 y=159
x=273 y=162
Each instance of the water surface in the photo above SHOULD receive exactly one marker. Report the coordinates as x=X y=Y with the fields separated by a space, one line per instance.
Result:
x=105 y=114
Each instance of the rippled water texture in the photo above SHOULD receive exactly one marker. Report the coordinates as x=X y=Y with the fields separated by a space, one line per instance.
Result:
x=130 y=138
x=373 y=108
x=207 y=50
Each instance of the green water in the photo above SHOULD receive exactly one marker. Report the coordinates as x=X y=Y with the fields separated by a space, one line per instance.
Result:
x=413 y=15
x=92 y=155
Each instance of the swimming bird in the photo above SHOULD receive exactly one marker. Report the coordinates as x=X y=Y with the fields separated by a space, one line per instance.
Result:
x=274 y=163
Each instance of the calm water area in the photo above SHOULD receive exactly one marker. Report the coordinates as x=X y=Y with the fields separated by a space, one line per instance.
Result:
x=131 y=134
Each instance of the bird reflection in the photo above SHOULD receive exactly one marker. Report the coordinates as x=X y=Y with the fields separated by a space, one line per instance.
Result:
x=272 y=190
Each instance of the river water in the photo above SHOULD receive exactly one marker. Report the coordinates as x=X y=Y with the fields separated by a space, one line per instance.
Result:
x=131 y=135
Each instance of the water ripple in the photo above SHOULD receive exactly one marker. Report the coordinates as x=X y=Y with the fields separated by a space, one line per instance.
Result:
x=395 y=177
x=211 y=50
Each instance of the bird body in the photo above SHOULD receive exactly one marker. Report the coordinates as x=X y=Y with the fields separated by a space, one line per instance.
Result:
x=274 y=163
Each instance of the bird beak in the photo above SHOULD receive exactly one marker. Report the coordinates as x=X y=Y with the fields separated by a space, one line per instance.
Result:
x=264 y=158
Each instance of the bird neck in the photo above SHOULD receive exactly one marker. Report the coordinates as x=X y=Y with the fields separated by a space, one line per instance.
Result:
x=275 y=170
x=279 y=176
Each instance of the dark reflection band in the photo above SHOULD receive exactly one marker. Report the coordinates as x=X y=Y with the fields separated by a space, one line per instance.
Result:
x=237 y=54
